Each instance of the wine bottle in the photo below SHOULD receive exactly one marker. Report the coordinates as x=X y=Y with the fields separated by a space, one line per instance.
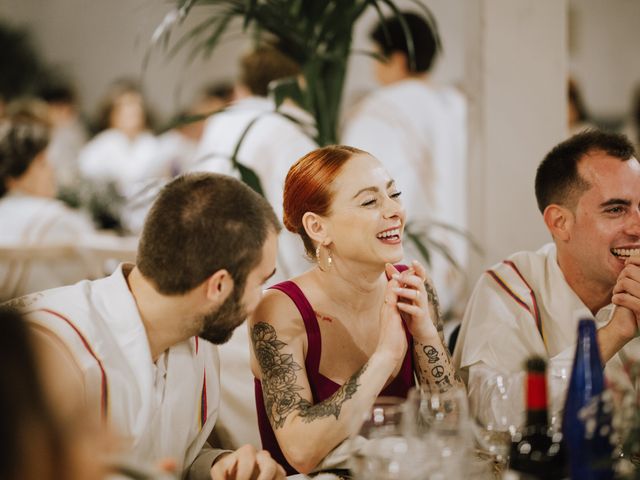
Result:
x=586 y=424
x=536 y=452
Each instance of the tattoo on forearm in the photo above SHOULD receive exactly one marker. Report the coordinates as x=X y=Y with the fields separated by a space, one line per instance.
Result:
x=280 y=391
x=437 y=369
x=436 y=313
x=431 y=353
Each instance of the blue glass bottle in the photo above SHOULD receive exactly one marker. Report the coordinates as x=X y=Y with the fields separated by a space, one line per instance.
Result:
x=586 y=424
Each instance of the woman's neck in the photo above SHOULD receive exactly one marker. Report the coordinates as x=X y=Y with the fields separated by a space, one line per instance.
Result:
x=351 y=286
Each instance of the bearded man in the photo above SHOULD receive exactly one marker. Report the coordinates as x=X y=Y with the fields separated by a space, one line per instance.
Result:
x=140 y=343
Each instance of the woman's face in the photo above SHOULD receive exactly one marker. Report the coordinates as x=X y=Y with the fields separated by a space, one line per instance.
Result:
x=128 y=113
x=367 y=217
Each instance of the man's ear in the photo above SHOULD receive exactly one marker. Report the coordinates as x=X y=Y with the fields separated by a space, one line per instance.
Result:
x=559 y=221
x=316 y=228
x=219 y=286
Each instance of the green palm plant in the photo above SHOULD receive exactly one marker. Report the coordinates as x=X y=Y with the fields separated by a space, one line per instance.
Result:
x=315 y=33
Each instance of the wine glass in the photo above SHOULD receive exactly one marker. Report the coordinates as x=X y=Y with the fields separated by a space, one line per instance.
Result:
x=495 y=430
x=443 y=423
x=384 y=445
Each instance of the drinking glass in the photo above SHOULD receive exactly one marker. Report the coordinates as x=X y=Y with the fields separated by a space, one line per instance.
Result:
x=385 y=447
x=494 y=433
x=443 y=424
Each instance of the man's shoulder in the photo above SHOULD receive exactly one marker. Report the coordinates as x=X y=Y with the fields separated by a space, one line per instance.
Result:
x=526 y=260
x=50 y=299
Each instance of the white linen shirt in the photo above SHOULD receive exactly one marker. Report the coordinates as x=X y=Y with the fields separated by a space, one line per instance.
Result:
x=498 y=335
x=156 y=408
x=272 y=144
x=111 y=156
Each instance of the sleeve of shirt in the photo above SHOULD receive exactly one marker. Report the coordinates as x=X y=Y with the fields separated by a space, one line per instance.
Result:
x=200 y=469
x=496 y=338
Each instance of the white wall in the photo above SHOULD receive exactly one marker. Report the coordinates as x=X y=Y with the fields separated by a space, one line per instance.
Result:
x=516 y=70
x=97 y=41
x=604 y=44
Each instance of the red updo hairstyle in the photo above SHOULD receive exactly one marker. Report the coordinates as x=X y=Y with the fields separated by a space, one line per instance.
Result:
x=307 y=187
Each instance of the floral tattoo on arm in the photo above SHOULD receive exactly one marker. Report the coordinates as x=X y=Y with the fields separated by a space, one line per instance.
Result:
x=281 y=393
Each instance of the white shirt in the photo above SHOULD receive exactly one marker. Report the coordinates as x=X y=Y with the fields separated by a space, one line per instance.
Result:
x=156 y=408
x=499 y=334
x=418 y=132
x=111 y=156
x=28 y=220
x=271 y=146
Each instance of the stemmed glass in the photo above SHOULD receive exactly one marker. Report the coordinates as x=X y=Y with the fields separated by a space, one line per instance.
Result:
x=495 y=431
x=443 y=424
x=385 y=445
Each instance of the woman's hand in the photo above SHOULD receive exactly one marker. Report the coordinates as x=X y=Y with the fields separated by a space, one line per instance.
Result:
x=413 y=300
x=392 y=340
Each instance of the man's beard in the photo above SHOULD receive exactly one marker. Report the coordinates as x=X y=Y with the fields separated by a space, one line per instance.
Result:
x=218 y=326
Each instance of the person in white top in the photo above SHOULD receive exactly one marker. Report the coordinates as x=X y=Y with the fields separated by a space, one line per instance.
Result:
x=141 y=342
x=588 y=190
x=271 y=143
x=418 y=130
x=29 y=213
x=125 y=152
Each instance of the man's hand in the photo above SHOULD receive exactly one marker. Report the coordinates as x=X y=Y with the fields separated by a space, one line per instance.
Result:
x=247 y=464
x=626 y=317
x=626 y=292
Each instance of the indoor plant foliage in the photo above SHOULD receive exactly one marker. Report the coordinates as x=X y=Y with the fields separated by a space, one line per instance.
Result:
x=315 y=33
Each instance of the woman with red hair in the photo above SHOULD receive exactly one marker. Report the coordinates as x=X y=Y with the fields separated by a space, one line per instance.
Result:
x=327 y=343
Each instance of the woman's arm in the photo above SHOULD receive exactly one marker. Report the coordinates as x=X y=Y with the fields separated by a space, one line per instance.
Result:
x=307 y=432
x=421 y=309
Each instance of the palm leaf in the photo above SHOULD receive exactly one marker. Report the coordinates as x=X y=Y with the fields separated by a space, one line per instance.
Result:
x=407 y=32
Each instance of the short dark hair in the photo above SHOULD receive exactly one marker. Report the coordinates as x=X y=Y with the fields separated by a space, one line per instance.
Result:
x=390 y=36
x=23 y=137
x=199 y=224
x=557 y=179
x=262 y=66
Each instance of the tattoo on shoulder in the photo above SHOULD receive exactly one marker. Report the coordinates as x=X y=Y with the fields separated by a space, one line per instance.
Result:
x=280 y=390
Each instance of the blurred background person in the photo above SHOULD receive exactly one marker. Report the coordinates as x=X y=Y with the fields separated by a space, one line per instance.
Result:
x=178 y=145
x=68 y=132
x=29 y=213
x=418 y=130
x=42 y=438
x=266 y=142
x=176 y=152
x=125 y=150
x=271 y=143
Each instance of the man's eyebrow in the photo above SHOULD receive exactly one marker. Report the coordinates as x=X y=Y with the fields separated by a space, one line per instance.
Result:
x=615 y=201
x=390 y=183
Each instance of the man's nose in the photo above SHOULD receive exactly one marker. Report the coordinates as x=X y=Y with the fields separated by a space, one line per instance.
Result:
x=633 y=225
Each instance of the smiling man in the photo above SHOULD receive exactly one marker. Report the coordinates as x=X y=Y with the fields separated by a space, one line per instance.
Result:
x=588 y=190
x=140 y=343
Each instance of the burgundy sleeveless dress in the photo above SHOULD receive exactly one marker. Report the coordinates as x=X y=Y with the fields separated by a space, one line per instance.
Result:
x=321 y=387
